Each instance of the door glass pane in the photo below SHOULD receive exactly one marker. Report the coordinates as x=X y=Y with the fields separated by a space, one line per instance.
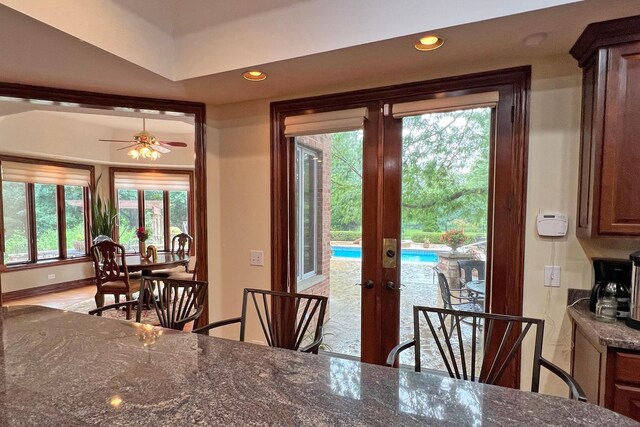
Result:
x=329 y=203
x=14 y=202
x=46 y=221
x=154 y=217
x=128 y=219
x=445 y=175
x=74 y=218
x=178 y=213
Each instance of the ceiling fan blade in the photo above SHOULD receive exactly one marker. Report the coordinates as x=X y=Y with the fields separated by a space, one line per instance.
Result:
x=128 y=147
x=160 y=149
x=114 y=140
x=174 y=143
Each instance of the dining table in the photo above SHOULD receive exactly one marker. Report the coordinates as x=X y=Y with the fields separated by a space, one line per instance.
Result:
x=478 y=287
x=164 y=260
x=66 y=368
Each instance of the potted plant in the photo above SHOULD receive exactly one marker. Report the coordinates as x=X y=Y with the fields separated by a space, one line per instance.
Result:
x=103 y=213
x=142 y=235
x=453 y=238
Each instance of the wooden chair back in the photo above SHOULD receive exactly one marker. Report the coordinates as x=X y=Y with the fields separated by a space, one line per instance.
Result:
x=181 y=244
x=176 y=302
x=109 y=263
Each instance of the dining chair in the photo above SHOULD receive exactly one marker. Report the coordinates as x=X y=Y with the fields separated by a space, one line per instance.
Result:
x=180 y=245
x=112 y=275
x=463 y=360
x=178 y=304
x=303 y=318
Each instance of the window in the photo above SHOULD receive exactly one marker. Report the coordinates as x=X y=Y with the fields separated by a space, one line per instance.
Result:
x=44 y=210
x=307 y=206
x=158 y=200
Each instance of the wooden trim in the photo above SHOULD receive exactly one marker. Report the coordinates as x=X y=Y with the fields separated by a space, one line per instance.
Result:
x=166 y=223
x=110 y=102
x=61 y=211
x=603 y=34
x=46 y=162
x=31 y=223
x=48 y=289
x=47 y=263
x=511 y=134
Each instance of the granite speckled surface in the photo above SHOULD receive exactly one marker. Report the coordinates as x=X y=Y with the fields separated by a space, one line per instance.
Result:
x=63 y=368
x=616 y=334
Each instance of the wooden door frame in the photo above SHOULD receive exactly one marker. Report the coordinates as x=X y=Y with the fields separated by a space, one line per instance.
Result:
x=108 y=102
x=511 y=155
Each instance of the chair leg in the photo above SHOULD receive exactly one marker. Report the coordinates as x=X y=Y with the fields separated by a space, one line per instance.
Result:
x=128 y=296
x=117 y=298
x=99 y=300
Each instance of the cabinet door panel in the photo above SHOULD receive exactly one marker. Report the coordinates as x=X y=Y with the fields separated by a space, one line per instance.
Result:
x=627 y=401
x=620 y=192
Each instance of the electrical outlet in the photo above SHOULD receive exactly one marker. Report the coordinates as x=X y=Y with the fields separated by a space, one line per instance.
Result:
x=552 y=276
x=51 y=276
x=257 y=258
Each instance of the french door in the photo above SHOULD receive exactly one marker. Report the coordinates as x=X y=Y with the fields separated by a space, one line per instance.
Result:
x=365 y=134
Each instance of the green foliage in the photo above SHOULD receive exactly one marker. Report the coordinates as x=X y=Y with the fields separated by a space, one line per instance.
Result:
x=346 y=181
x=426 y=236
x=103 y=212
x=345 y=236
x=445 y=169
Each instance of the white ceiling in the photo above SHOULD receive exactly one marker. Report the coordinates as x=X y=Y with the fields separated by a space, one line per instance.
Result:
x=314 y=51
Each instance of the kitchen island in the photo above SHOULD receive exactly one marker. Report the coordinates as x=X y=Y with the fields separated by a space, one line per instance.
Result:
x=64 y=368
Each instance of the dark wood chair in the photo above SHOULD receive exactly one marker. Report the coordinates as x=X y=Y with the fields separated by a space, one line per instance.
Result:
x=177 y=303
x=304 y=313
x=485 y=367
x=112 y=275
x=180 y=245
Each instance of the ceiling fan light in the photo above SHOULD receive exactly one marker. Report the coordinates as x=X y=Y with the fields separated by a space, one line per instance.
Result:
x=134 y=153
x=154 y=155
x=145 y=152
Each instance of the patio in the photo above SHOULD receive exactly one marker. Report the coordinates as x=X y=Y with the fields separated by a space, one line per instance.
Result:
x=342 y=330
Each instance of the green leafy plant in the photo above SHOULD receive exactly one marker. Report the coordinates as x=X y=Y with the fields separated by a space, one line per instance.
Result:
x=104 y=213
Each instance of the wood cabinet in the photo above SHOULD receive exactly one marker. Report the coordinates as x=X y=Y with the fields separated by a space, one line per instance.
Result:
x=609 y=194
x=609 y=376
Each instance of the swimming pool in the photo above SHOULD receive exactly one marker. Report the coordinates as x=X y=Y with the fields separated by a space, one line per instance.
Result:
x=406 y=255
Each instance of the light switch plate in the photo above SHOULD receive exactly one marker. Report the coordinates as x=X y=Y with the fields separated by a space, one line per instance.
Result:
x=257 y=258
x=552 y=276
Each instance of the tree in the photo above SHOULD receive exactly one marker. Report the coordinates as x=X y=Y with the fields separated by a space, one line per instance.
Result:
x=445 y=167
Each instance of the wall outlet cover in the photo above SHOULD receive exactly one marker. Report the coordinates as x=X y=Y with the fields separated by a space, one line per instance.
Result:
x=257 y=258
x=552 y=276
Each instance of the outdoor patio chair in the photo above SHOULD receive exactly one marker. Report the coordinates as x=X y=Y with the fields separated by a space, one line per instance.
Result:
x=302 y=318
x=458 y=300
x=466 y=267
x=485 y=366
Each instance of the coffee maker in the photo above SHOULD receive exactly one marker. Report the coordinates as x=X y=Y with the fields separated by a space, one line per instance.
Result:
x=634 y=311
x=612 y=276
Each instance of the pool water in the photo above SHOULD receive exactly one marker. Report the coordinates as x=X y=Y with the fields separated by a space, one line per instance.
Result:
x=406 y=255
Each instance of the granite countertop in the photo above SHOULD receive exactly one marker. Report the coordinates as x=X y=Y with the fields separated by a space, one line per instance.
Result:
x=64 y=368
x=616 y=334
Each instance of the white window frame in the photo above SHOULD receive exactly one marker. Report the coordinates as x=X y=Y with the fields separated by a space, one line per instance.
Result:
x=301 y=151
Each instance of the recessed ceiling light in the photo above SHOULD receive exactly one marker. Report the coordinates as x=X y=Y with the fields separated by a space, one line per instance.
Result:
x=429 y=42
x=254 y=75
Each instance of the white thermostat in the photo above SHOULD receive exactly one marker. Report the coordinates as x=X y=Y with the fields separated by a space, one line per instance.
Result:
x=552 y=224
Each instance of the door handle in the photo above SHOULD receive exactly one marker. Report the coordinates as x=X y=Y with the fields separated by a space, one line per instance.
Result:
x=393 y=286
x=368 y=284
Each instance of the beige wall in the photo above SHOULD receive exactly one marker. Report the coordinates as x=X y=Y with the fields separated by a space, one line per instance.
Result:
x=239 y=204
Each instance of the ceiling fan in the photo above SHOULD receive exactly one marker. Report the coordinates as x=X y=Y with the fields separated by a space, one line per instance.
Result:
x=145 y=145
